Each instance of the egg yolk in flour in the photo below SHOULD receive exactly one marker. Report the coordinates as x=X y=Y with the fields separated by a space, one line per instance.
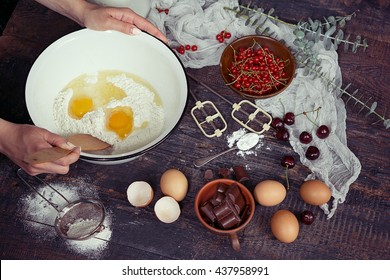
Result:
x=120 y=121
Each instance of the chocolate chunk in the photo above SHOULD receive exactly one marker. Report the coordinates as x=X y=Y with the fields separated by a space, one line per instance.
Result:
x=224 y=173
x=230 y=220
x=222 y=187
x=234 y=193
x=225 y=208
x=208 y=175
x=207 y=212
x=240 y=173
x=217 y=198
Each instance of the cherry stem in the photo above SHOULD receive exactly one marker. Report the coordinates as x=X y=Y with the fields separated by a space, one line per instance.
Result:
x=288 y=184
x=312 y=111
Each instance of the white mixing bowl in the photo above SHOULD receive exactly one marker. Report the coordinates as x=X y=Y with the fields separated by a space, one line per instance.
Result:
x=88 y=51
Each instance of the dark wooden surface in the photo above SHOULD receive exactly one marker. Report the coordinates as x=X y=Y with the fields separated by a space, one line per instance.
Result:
x=359 y=230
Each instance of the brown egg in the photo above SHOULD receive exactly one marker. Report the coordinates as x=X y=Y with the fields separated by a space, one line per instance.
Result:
x=315 y=192
x=269 y=193
x=285 y=226
x=174 y=183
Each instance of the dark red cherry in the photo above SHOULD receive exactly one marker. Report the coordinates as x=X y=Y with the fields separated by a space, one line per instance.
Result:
x=277 y=123
x=282 y=134
x=312 y=153
x=307 y=217
x=288 y=161
x=305 y=137
x=289 y=118
x=322 y=132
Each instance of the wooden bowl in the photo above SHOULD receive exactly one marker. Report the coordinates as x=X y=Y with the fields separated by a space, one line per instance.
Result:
x=258 y=42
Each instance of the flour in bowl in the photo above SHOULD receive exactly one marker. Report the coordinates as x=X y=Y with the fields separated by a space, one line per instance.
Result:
x=113 y=106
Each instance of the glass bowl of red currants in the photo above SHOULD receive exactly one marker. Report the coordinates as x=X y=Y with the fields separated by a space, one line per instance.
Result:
x=257 y=66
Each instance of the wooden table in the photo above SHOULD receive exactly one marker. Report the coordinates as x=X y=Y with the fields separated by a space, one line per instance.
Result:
x=359 y=230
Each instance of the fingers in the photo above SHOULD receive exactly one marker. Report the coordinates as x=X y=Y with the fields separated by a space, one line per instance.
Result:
x=60 y=166
x=129 y=22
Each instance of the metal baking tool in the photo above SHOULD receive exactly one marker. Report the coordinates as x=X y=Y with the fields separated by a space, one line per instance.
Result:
x=77 y=220
x=256 y=119
x=207 y=124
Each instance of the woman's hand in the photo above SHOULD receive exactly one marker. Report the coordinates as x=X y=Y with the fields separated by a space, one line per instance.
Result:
x=120 y=19
x=98 y=17
x=20 y=140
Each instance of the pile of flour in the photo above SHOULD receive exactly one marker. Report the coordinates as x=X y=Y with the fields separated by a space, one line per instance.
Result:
x=39 y=217
x=139 y=98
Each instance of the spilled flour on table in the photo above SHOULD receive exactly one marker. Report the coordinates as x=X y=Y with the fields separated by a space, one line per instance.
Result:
x=233 y=138
x=39 y=217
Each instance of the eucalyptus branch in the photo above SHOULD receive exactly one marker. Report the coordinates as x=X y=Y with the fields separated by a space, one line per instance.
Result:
x=333 y=85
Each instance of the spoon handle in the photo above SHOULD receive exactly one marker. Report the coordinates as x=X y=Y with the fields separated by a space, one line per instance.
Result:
x=202 y=161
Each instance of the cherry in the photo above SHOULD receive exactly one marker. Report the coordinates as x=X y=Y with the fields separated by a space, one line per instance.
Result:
x=307 y=217
x=322 y=132
x=289 y=118
x=277 y=123
x=288 y=161
x=305 y=137
x=282 y=134
x=312 y=153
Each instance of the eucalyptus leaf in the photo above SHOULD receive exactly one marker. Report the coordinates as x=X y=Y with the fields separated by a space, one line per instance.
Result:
x=317 y=36
x=386 y=123
x=330 y=32
x=332 y=20
x=372 y=108
x=327 y=43
x=342 y=23
x=299 y=34
x=327 y=24
x=339 y=37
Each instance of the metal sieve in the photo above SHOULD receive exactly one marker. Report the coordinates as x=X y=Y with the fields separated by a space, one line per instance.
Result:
x=77 y=220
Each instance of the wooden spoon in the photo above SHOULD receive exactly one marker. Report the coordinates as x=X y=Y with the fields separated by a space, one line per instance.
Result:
x=86 y=141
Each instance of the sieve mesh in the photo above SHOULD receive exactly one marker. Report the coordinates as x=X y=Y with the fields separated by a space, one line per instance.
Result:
x=80 y=219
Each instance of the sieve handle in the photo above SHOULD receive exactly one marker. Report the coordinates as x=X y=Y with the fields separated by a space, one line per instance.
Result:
x=55 y=206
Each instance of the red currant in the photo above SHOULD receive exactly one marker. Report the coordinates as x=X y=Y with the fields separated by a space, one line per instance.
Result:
x=194 y=48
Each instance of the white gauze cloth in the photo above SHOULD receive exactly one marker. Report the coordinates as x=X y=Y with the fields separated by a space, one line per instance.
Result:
x=197 y=22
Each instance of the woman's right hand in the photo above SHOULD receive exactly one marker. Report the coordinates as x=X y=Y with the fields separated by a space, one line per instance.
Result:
x=20 y=140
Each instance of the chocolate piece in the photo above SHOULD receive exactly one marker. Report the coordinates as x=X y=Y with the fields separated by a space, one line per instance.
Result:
x=240 y=173
x=225 y=208
x=208 y=175
x=217 y=198
x=222 y=187
x=236 y=196
x=224 y=173
x=207 y=212
x=230 y=220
